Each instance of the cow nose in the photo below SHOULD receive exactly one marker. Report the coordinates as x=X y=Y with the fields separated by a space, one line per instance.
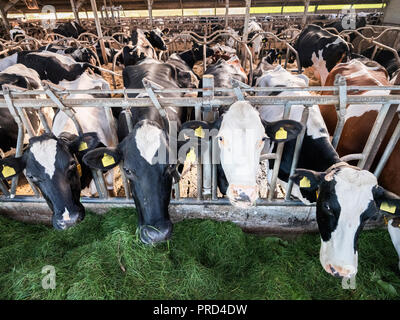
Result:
x=339 y=271
x=243 y=196
x=67 y=220
x=154 y=234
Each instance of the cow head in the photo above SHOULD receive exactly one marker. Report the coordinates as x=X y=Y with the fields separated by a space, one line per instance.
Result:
x=198 y=52
x=51 y=163
x=241 y=134
x=84 y=55
x=272 y=55
x=346 y=198
x=155 y=39
x=144 y=153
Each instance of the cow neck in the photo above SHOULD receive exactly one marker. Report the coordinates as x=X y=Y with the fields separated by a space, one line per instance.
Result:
x=341 y=164
x=188 y=57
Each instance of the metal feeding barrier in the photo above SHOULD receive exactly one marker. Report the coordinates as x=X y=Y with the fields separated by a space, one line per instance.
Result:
x=269 y=215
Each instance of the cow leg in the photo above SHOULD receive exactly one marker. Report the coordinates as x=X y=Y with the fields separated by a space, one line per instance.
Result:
x=395 y=236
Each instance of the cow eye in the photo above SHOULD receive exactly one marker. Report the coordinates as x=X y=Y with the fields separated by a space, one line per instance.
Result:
x=31 y=177
x=72 y=164
x=221 y=139
x=130 y=172
x=264 y=138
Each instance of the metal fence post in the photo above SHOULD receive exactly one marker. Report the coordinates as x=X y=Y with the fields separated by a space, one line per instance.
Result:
x=208 y=115
x=340 y=81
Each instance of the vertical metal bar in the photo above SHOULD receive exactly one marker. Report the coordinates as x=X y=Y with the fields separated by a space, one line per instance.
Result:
x=296 y=154
x=341 y=111
x=204 y=52
x=306 y=5
x=20 y=138
x=100 y=184
x=75 y=11
x=373 y=135
x=388 y=150
x=208 y=115
x=111 y=121
x=99 y=32
x=69 y=112
x=3 y=189
x=150 y=9
x=26 y=121
x=226 y=13
x=44 y=121
x=277 y=163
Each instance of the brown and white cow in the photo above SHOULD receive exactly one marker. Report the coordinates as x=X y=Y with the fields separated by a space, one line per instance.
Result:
x=349 y=196
x=360 y=118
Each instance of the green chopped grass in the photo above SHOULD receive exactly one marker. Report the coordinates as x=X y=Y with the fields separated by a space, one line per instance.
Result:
x=102 y=258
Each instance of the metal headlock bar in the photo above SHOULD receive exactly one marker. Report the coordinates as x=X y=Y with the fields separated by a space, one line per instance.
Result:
x=271 y=210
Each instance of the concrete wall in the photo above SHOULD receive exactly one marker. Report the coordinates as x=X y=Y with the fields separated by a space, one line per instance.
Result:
x=392 y=12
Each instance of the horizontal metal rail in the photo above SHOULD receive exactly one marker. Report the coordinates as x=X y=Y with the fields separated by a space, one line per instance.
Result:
x=12 y=97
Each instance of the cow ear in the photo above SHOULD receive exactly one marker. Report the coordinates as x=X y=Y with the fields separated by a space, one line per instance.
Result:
x=165 y=31
x=307 y=179
x=387 y=202
x=282 y=130
x=192 y=139
x=102 y=158
x=10 y=167
x=81 y=144
x=192 y=129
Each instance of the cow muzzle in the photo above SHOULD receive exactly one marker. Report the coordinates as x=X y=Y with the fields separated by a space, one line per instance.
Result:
x=242 y=196
x=66 y=219
x=154 y=234
x=340 y=271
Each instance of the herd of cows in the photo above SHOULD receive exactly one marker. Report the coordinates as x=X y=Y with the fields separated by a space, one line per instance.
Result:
x=60 y=163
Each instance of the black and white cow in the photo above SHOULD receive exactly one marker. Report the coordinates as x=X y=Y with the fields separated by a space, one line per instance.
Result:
x=91 y=119
x=17 y=33
x=54 y=161
x=49 y=65
x=186 y=60
x=145 y=151
x=23 y=77
x=143 y=45
x=346 y=196
x=385 y=58
x=51 y=164
x=340 y=25
x=70 y=29
x=79 y=54
x=223 y=71
x=320 y=50
x=253 y=29
x=241 y=134
x=266 y=64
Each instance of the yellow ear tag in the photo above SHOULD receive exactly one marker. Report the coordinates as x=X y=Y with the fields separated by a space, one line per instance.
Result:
x=281 y=134
x=79 y=168
x=191 y=156
x=305 y=183
x=199 y=132
x=107 y=160
x=316 y=194
x=8 y=171
x=387 y=207
x=83 y=146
